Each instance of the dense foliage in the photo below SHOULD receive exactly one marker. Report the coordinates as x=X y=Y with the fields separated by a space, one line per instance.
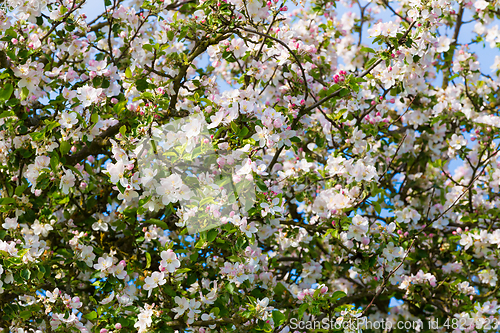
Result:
x=341 y=123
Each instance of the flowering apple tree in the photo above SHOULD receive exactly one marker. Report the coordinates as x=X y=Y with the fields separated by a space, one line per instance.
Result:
x=367 y=131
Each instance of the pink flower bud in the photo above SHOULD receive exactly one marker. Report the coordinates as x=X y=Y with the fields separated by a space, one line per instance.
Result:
x=118 y=326
x=38 y=192
x=91 y=159
x=103 y=330
x=73 y=149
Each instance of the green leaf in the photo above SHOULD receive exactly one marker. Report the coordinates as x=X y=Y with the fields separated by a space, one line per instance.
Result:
x=20 y=189
x=64 y=147
x=157 y=222
x=338 y=295
x=344 y=92
x=26 y=274
x=123 y=130
x=370 y=62
x=119 y=106
x=6 y=201
x=243 y=132
x=91 y=316
x=54 y=162
x=22 y=130
x=200 y=244
x=94 y=118
x=51 y=125
x=128 y=73
x=230 y=288
x=24 y=93
x=295 y=139
x=206 y=201
x=37 y=136
x=303 y=309
x=7 y=114
x=26 y=314
x=261 y=185
x=278 y=318
x=142 y=84
x=367 y=50
x=120 y=187
x=212 y=234
x=148 y=260
x=6 y=92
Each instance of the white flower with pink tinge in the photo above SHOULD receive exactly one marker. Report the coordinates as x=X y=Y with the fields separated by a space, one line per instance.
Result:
x=183 y=305
x=156 y=279
x=88 y=95
x=68 y=119
x=10 y=223
x=170 y=261
x=103 y=263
